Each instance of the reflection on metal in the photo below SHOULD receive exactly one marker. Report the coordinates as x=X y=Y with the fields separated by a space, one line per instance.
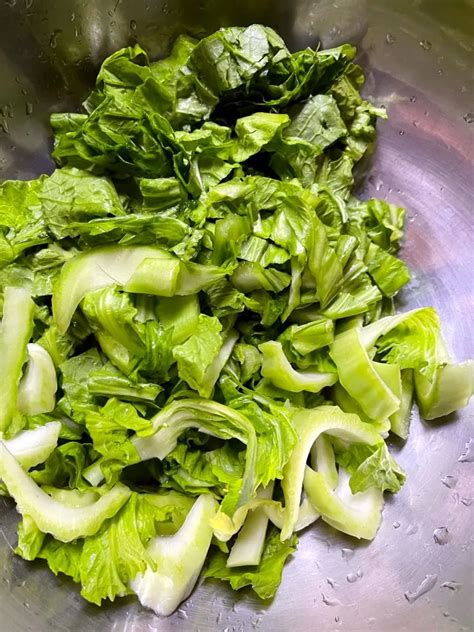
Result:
x=49 y=51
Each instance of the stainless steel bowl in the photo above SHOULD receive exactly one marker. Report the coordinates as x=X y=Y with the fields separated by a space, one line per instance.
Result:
x=417 y=55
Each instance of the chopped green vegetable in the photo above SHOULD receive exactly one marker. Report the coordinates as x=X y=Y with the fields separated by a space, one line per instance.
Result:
x=176 y=560
x=38 y=385
x=15 y=332
x=198 y=333
x=264 y=578
x=64 y=523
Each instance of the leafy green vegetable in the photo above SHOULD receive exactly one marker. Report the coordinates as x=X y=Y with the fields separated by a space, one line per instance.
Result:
x=359 y=376
x=248 y=546
x=198 y=330
x=21 y=223
x=263 y=579
x=176 y=561
x=309 y=425
x=70 y=195
x=357 y=514
x=32 y=447
x=105 y=563
x=371 y=466
x=112 y=557
x=277 y=369
x=64 y=467
x=64 y=523
x=16 y=330
x=196 y=355
x=38 y=385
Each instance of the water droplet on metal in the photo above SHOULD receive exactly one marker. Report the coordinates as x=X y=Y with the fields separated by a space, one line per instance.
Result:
x=411 y=529
x=413 y=99
x=133 y=25
x=468 y=455
x=389 y=39
x=4 y=126
x=451 y=585
x=396 y=525
x=401 y=132
x=28 y=4
x=26 y=604
x=450 y=481
x=347 y=554
x=182 y=614
x=445 y=613
x=53 y=39
x=425 y=44
x=28 y=108
x=219 y=617
x=441 y=535
x=165 y=8
x=337 y=619
x=467 y=502
x=330 y=601
x=351 y=578
x=415 y=123
x=331 y=582
x=6 y=110
x=359 y=574
x=426 y=585
x=469 y=117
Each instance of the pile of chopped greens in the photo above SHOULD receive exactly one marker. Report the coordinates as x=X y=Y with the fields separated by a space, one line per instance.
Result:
x=199 y=351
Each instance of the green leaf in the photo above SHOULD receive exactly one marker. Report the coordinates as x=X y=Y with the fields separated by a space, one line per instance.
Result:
x=64 y=466
x=263 y=579
x=388 y=272
x=75 y=375
x=114 y=555
x=195 y=356
x=230 y=57
x=110 y=382
x=71 y=195
x=371 y=466
x=110 y=428
x=21 y=223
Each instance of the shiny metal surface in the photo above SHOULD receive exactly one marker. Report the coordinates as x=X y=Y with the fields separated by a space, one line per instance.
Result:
x=417 y=55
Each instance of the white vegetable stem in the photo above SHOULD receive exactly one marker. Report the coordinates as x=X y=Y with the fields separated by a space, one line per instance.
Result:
x=38 y=386
x=63 y=522
x=179 y=559
x=248 y=547
x=32 y=447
